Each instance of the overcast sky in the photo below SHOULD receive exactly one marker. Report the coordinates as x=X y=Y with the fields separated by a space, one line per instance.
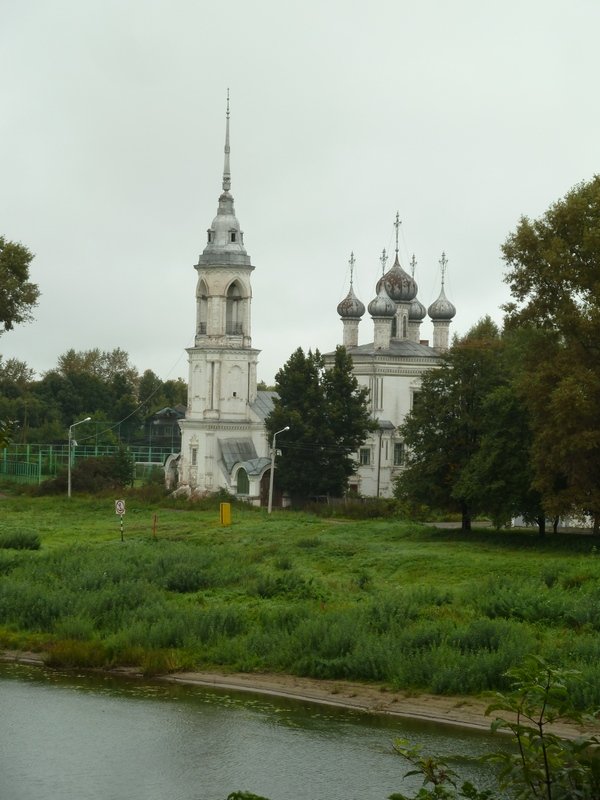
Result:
x=461 y=115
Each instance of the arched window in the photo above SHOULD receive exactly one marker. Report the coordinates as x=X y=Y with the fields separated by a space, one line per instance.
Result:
x=201 y=307
x=234 y=310
x=243 y=483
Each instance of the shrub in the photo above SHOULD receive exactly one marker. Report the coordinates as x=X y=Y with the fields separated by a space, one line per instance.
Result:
x=73 y=653
x=93 y=475
x=359 y=508
x=20 y=540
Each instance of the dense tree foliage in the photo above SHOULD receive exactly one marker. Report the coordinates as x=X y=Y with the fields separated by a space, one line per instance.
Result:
x=554 y=277
x=327 y=413
x=17 y=294
x=443 y=431
x=102 y=385
x=514 y=428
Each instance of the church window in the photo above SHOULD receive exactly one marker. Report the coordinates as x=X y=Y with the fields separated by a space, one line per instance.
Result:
x=243 y=484
x=364 y=456
x=404 y=327
x=202 y=308
x=194 y=456
x=398 y=454
x=232 y=236
x=234 y=326
x=210 y=236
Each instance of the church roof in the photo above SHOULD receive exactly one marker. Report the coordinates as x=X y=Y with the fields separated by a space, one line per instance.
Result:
x=385 y=424
x=264 y=403
x=399 y=348
x=236 y=450
x=256 y=465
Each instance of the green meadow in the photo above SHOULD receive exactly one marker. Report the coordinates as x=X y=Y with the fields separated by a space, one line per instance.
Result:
x=387 y=601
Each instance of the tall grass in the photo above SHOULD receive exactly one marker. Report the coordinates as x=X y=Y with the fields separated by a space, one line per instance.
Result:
x=389 y=601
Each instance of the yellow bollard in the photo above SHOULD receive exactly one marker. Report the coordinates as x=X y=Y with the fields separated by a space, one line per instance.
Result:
x=225 y=509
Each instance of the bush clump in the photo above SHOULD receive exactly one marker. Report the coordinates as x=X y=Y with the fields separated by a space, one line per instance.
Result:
x=20 y=540
x=94 y=475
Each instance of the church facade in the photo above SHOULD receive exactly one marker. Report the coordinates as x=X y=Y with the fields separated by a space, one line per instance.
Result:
x=391 y=365
x=223 y=438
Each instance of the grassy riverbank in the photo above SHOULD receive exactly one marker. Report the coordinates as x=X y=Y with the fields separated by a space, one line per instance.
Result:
x=389 y=601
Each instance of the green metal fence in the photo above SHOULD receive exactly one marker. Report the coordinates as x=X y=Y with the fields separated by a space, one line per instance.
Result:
x=34 y=463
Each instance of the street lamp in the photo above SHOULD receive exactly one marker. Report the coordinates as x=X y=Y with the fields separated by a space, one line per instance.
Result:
x=87 y=419
x=287 y=427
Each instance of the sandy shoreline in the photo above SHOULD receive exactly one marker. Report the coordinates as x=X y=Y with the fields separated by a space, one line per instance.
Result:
x=459 y=711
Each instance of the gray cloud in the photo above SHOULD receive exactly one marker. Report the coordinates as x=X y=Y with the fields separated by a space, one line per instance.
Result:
x=462 y=116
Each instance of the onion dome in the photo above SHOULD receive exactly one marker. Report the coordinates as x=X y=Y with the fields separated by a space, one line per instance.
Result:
x=441 y=309
x=382 y=305
x=399 y=285
x=416 y=311
x=351 y=307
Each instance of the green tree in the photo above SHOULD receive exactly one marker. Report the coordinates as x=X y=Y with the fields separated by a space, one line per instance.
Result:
x=17 y=294
x=443 y=431
x=328 y=417
x=498 y=479
x=103 y=364
x=554 y=281
x=5 y=433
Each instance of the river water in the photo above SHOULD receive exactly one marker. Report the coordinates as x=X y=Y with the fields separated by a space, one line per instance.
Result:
x=71 y=737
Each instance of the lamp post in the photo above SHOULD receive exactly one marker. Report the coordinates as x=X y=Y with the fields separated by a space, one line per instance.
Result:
x=287 y=427
x=87 y=419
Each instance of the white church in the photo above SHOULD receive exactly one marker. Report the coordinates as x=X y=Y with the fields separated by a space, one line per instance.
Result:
x=224 y=443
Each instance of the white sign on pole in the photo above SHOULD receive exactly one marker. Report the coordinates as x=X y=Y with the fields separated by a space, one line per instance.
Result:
x=120 y=507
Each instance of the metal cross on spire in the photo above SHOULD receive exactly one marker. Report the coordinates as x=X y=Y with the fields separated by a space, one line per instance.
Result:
x=226 y=167
x=444 y=266
x=413 y=264
x=383 y=258
x=351 y=261
x=397 y=224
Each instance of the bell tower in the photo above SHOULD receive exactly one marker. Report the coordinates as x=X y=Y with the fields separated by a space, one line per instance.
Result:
x=222 y=362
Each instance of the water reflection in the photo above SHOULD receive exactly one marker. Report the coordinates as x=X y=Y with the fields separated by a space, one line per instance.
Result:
x=98 y=738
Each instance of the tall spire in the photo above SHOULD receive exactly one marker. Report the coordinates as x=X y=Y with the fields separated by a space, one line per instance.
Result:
x=226 y=168
x=352 y=262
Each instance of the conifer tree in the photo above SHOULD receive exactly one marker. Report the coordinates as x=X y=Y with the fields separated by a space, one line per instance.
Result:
x=326 y=411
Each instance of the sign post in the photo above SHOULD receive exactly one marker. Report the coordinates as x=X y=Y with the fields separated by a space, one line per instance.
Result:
x=120 y=511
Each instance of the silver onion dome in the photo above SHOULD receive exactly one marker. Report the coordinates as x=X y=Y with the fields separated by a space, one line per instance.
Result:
x=399 y=285
x=382 y=305
x=417 y=310
x=441 y=309
x=351 y=307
